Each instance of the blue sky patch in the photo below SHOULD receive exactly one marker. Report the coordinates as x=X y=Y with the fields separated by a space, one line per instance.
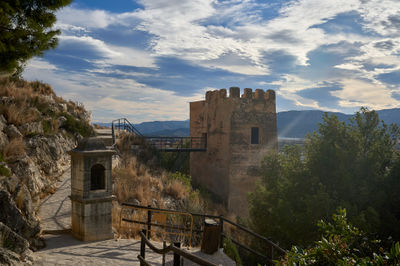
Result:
x=153 y=57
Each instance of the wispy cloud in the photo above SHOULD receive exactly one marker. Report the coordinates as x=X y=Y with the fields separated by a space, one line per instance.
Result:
x=297 y=47
x=110 y=98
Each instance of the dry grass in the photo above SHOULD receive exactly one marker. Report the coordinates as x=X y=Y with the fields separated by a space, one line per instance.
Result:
x=41 y=88
x=19 y=114
x=133 y=181
x=14 y=149
x=176 y=189
x=55 y=125
x=24 y=100
x=138 y=179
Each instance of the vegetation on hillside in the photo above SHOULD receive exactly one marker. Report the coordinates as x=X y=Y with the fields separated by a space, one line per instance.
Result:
x=141 y=179
x=342 y=243
x=26 y=30
x=36 y=129
x=355 y=166
x=26 y=102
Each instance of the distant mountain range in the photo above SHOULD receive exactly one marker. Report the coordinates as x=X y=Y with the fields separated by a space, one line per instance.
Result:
x=291 y=124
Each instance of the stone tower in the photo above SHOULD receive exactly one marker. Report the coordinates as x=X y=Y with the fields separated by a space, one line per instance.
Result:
x=239 y=131
x=91 y=190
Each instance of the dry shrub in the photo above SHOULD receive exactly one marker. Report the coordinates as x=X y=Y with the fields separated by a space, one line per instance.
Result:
x=17 y=91
x=55 y=125
x=176 y=189
x=42 y=88
x=24 y=100
x=133 y=181
x=19 y=114
x=14 y=149
x=59 y=99
x=76 y=107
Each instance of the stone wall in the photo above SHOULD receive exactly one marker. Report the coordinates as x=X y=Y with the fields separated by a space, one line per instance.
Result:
x=230 y=166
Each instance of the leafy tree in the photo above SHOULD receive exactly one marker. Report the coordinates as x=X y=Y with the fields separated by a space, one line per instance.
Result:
x=343 y=244
x=26 y=30
x=353 y=165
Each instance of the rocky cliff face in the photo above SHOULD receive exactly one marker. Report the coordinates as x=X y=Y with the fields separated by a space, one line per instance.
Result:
x=36 y=130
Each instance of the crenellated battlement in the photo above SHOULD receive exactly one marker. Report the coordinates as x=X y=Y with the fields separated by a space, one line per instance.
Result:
x=234 y=93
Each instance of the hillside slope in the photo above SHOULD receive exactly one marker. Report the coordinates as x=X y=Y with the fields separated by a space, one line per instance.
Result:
x=36 y=129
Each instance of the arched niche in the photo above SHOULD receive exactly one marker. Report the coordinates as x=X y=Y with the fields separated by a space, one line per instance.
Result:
x=97 y=177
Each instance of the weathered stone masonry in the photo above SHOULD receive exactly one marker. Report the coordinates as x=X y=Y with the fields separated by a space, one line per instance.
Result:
x=91 y=190
x=239 y=132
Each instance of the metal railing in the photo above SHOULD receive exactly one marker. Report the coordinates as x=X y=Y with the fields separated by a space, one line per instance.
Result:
x=269 y=247
x=178 y=253
x=123 y=124
x=158 y=221
x=167 y=144
x=174 y=144
x=273 y=248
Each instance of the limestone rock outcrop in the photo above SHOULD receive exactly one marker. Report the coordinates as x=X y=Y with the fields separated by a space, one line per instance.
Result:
x=37 y=128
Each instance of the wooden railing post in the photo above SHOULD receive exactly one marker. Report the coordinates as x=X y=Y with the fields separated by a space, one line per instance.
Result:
x=177 y=257
x=149 y=217
x=272 y=252
x=221 y=232
x=143 y=247
x=163 y=255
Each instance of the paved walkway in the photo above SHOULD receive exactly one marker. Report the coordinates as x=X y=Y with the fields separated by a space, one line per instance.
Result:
x=66 y=250
x=63 y=249
x=55 y=210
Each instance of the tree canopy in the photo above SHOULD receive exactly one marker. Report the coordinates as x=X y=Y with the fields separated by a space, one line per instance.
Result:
x=26 y=30
x=355 y=166
x=343 y=244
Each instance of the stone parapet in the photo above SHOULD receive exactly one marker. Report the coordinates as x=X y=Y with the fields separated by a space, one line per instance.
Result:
x=248 y=94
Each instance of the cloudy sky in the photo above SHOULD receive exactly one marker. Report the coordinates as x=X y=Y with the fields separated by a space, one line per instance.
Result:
x=147 y=59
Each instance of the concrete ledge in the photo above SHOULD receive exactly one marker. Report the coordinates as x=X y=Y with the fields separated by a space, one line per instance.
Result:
x=81 y=200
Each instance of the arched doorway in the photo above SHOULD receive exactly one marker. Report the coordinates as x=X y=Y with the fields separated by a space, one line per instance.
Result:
x=97 y=177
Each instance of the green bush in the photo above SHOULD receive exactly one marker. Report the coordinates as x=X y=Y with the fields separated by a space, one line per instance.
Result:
x=354 y=165
x=74 y=125
x=343 y=244
x=231 y=250
x=183 y=178
x=4 y=171
x=176 y=161
x=47 y=127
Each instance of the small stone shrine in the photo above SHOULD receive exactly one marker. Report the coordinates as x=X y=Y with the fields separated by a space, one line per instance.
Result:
x=91 y=190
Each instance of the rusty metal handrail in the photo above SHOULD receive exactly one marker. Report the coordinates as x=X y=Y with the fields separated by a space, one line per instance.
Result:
x=150 y=212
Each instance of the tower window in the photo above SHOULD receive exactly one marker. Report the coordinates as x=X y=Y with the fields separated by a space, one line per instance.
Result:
x=254 y=135
x=97 y=177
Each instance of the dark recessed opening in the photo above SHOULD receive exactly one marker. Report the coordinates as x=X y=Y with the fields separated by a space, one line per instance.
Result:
x=254 y=135
x=97 y=177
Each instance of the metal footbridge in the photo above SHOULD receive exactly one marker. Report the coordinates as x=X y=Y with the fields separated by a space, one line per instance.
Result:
x=165 y=144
